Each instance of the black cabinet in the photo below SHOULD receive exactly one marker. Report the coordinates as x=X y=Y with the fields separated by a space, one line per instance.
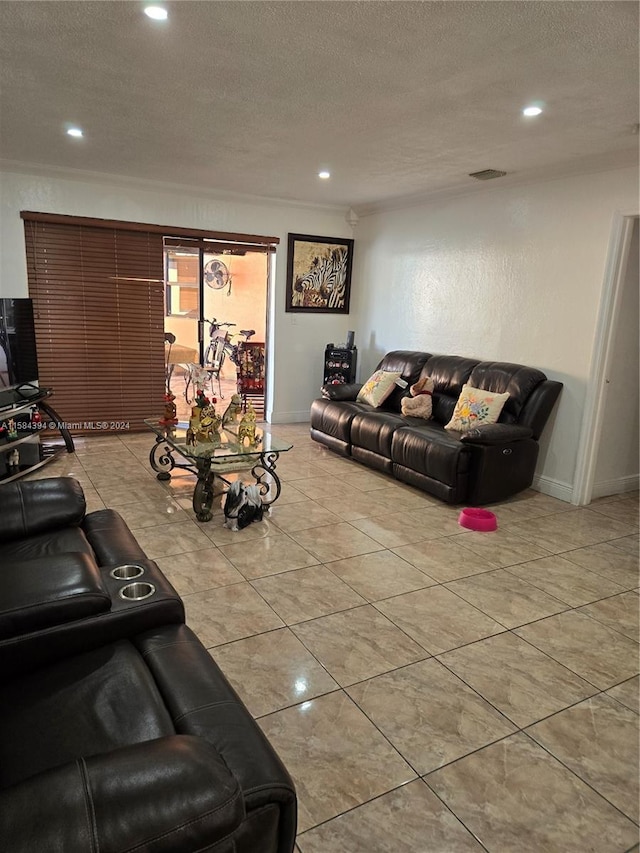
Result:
x=339 y=365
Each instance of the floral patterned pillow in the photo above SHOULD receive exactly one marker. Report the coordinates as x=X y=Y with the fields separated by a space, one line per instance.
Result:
x=475 y=407
x=378 y=387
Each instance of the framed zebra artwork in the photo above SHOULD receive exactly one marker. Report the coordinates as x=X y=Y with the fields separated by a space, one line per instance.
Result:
x=319 y=274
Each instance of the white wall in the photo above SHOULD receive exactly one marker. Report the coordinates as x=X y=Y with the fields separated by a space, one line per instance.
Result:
x=618 y=462
x=298 y=340
x=512 y=274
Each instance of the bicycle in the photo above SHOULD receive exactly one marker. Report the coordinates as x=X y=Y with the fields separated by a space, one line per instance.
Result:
x=219 y=347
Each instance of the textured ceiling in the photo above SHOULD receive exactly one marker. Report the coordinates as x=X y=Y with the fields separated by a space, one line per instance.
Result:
x=397 y=99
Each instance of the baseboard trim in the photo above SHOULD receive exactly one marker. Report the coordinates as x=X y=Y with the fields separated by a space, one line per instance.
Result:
x=555 y=488
x=289 y=417
x=564 y=491
x=616 y=486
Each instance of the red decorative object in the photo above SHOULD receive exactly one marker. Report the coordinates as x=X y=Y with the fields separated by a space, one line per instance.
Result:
x=169 y=418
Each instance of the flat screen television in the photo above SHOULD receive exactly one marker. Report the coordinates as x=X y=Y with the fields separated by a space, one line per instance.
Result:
x=18 y=357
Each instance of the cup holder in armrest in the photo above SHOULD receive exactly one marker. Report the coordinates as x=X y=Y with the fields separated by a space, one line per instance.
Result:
x=127 y=572
x=137 y=591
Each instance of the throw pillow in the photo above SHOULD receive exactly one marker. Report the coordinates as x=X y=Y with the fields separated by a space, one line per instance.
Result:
x=418 y=405
x=378 y=387
x=475 y=407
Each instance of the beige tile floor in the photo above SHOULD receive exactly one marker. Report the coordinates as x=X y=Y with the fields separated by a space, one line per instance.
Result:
x=429 y=688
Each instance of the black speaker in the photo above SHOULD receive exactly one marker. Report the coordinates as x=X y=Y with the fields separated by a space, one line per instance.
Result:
x=350 y=339
x=339 y=365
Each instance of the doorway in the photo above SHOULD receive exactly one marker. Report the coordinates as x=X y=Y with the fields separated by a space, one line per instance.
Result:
x=216 y=297
x=609 y=463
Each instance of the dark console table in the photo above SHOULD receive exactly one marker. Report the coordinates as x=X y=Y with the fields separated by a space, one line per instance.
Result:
x=37 y=443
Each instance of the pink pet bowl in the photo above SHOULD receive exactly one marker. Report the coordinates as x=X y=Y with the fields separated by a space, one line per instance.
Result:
x=478 y=519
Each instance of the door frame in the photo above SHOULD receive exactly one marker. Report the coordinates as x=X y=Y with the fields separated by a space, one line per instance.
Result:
x=203 y=338
x=209 y=246
x=608 y=315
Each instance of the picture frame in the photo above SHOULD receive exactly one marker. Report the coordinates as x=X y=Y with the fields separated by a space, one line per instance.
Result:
x=318 y=274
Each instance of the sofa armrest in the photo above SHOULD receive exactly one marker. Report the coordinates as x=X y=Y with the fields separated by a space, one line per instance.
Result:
x=170 y=795
x=37 y=506
x=111 y=539
x=496 y=434
x=45 y=591
x=346 y=391
x=539 y=406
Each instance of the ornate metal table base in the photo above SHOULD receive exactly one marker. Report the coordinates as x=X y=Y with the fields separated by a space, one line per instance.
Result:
x=162 y=461
x=264 y=469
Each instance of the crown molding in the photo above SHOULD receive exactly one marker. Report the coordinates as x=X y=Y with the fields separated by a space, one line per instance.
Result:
x=584 y=166
x=42 y=170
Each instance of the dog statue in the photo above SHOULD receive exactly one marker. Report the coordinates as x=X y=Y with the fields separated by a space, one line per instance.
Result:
x=252 y=509
x=419 y=404
x=233 y=502
x=243 y=505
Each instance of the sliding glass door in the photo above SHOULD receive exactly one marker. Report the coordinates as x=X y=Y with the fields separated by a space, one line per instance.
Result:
x=235 y=296
x=216 y=308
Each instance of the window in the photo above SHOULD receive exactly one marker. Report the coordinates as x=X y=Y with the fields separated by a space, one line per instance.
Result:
x=182 y=278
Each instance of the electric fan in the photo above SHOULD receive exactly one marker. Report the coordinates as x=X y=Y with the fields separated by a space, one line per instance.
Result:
x=216 y=274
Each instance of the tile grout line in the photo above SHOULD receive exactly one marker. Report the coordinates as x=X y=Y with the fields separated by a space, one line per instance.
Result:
x=577 y=775
x=384 y=794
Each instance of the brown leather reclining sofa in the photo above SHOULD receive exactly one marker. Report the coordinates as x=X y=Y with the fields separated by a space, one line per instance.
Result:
x=485 y=465
x=118 y=732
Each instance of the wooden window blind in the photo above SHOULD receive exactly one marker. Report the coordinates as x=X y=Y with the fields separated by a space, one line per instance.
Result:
x=98 y=299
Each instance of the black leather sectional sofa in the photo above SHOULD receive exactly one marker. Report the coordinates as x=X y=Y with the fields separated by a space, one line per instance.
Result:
x=118 y=732
x=485 y=465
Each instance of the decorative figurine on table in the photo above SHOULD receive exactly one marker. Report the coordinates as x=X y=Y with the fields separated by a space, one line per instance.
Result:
x=169 y=419
x=194 y=425
x=209 y=424
x=208 y=431
x=12 y=432
x=233 y=411
x=247 y=428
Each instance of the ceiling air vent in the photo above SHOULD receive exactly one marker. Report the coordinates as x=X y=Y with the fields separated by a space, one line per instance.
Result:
x=487 y=174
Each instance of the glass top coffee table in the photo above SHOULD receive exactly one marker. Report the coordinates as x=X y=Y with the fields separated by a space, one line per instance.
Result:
x=211 y=461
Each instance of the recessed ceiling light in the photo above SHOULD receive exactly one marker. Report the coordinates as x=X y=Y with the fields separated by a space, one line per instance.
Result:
x=75 y=131
x=324 y=175
x=531 y=111
x=156 y=13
